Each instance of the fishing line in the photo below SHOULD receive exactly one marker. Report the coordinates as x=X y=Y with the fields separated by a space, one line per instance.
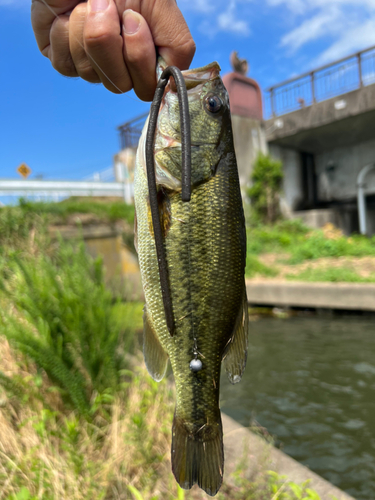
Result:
x=151 y=178
x=88 y=55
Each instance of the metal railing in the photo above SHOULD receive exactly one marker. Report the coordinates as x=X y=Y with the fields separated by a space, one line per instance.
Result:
x=107 y=175
x=130 y=131
x=350 y=73
x=61 y=189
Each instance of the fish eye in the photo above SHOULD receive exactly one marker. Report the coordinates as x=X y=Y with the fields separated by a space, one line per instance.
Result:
x=213 y=103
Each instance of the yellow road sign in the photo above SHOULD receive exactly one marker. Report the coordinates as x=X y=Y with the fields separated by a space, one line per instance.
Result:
x=24 y=170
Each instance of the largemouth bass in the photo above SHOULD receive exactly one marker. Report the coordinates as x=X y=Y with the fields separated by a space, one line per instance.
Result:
x=205 y=245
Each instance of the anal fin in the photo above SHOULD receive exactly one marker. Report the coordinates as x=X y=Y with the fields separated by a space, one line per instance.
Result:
x=156 y=358
x=236 y=351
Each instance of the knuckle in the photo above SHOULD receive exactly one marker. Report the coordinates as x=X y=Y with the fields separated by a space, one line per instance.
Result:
x=97 y=37
x=135 y=57
x=87 y=72
x=145 y=93
x=120 y=87
x=64 y=66
x=187 y=48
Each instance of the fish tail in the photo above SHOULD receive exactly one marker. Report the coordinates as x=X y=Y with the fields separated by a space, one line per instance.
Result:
x=198 y=457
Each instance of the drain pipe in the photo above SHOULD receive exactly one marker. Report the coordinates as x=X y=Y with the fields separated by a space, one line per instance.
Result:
x=361 y=197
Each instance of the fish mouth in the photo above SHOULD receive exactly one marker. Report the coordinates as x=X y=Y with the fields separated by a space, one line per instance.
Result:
x=195 y=77
x=192 y=77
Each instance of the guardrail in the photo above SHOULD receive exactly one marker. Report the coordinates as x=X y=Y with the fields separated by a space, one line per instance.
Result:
x=344 y=75
x=65 y=188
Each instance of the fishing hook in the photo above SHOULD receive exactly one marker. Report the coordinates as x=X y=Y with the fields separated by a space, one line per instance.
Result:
x=151 y=179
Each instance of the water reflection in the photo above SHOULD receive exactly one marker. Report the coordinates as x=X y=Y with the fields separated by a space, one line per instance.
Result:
x=311 y=383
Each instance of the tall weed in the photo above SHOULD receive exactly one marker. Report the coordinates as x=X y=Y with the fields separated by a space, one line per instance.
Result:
x=58 y=312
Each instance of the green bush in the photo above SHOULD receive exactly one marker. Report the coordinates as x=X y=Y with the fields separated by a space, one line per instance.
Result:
x=16 y=225
x=264 y=193
x=59 y=313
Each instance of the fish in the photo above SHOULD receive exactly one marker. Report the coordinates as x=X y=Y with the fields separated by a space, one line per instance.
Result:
x=205 y=246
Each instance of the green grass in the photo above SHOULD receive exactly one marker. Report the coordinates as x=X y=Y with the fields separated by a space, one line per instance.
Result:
x=333 y=274
x=55 y=454
x=317 y=246
x=302 y=243
x=256 y=268
x=28 y=220
x=108 y=210
x=80 y=418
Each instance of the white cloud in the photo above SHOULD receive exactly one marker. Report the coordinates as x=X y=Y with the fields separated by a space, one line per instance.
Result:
x=296 y=6
x=344 y=25
x=229 y=17
x=312 y=28
x=358 y=38
x=228 y=21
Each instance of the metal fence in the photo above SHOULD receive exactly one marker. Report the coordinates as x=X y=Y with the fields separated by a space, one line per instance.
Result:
x=60 y=189
x=342 y=76
x=130 y=131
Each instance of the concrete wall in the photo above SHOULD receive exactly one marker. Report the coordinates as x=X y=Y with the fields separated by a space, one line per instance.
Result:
x=292 y=184
x=121 y=269
x=338 y=169
x=345 y=119
x=249 y=140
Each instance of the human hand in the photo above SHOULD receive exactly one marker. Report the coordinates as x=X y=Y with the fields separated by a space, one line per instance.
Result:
x=112 y=41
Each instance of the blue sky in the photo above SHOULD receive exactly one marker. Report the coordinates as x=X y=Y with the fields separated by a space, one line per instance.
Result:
x=66 y=128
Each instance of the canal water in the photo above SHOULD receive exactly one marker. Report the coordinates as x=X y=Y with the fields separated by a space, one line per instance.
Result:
x=311 y=383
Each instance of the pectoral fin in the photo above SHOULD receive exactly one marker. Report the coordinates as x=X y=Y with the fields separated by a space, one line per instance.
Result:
x=156 y=358
x=236 y=351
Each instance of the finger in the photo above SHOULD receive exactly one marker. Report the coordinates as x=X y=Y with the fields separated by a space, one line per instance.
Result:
x=170 y=32
x=43 y=16
x=59 y=52
x=82 y=63
x=139 y=54
x=103 y=43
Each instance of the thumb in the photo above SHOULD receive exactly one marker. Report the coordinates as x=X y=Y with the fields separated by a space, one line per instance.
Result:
x=170 y=32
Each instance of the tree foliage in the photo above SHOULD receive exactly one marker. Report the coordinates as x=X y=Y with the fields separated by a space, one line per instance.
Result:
x=264 y=194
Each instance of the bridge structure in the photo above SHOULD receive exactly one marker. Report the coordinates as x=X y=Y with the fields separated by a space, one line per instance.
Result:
x=322 y=126
x=101 y=184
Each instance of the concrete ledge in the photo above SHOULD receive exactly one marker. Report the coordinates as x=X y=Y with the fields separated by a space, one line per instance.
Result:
x=346 y=296
x=239 y=440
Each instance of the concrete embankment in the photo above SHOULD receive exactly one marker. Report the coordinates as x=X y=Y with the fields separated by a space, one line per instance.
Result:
x=345 y=296
x=243 y=445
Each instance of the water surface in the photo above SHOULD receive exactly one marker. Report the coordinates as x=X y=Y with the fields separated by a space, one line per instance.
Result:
x=311 y=383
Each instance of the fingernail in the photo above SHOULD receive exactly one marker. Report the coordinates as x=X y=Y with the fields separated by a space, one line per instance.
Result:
x=98 y=5
x=132 y=22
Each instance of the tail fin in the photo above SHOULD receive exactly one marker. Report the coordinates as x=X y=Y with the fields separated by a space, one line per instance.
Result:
x=198 y=457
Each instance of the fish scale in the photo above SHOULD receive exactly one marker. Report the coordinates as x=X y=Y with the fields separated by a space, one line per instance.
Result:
x=205 y=247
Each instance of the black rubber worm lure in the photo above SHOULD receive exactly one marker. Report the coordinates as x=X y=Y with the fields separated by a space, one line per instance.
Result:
x=185 y=175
